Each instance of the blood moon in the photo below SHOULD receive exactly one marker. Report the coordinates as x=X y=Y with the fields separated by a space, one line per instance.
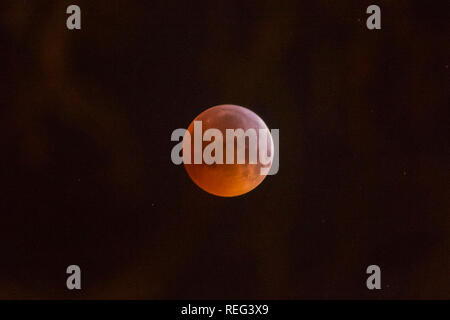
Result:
x=228 y=179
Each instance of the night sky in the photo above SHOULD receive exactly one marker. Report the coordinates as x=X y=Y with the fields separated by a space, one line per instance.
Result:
x=86 y=176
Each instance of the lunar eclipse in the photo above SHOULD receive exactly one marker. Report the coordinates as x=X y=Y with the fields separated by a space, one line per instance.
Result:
x=228 y=180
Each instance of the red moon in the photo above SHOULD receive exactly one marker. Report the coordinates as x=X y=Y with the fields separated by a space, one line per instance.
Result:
x=228 y=180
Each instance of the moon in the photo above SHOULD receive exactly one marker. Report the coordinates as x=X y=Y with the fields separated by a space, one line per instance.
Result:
x=228 y=180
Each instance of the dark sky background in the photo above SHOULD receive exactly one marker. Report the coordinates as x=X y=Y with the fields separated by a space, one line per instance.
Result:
x=86 y=176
